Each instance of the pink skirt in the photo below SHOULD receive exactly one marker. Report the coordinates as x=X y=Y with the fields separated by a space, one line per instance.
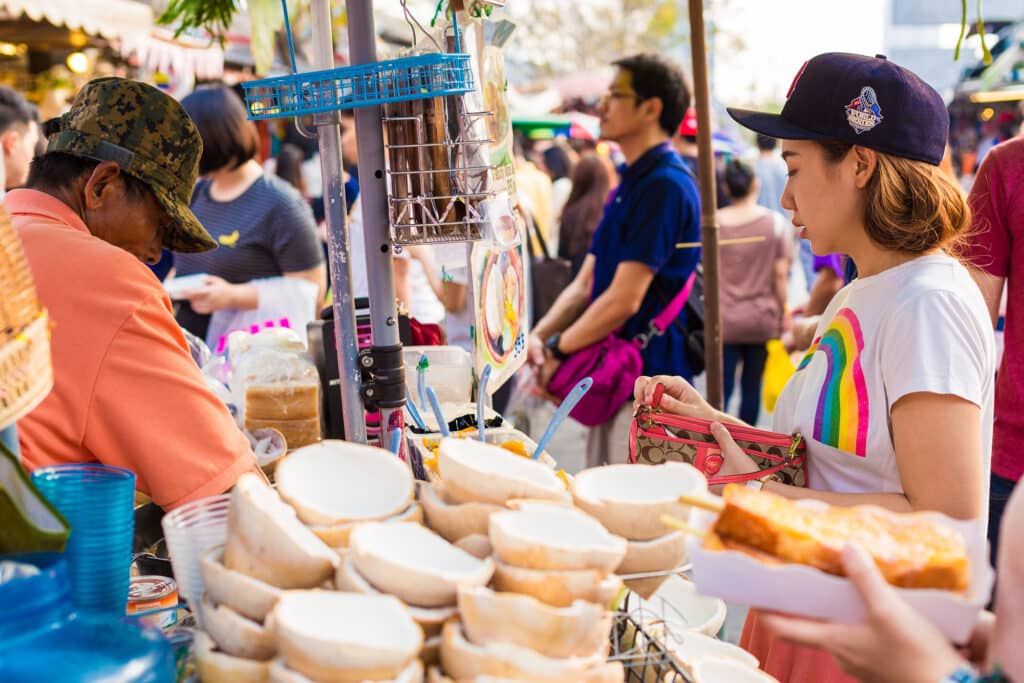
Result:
x=789 y=663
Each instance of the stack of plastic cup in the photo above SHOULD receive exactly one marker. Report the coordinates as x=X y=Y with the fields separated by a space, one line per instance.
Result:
x=190 y=531
x=98 y=502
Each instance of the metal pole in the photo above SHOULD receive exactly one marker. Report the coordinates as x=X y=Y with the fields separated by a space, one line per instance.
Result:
x=708 y=222
x=388 y=369
x=345 y=338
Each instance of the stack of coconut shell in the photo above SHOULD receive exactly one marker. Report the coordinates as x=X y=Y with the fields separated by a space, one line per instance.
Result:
x=259 y=600
x=547 y=618
x=629 y=501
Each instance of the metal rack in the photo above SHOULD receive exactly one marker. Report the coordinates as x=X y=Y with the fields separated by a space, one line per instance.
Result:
x=642 y=649
x=416 y=166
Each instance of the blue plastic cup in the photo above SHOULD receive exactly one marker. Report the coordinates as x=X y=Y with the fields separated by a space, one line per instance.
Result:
x=98 y=502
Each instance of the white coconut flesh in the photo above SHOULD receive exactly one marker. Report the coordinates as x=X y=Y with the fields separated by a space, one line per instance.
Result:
x=540 y=536
x=341 y=636
x=477 y=545
x=415 y=564
x=268 y=542
x=429 y=618
x=462 y=660
x=336 y=482
x=215 y=666
x=649 y=557
x=280 y=673
x=234 y=634
x=558 y=588
x=337 y=536
x=454 y=521
x=713 y=670
x=248 y=596
x=491 y=474
x=688 y=647
x=581 y=630
x=629 y=499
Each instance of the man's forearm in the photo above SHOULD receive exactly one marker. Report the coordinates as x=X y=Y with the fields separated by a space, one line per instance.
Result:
x=566 y=309
x=604 y=316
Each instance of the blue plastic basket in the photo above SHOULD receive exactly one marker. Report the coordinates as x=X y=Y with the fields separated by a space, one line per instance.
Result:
x=396 y=80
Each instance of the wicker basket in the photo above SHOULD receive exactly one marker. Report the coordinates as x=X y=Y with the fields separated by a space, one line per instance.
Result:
x=26 y=374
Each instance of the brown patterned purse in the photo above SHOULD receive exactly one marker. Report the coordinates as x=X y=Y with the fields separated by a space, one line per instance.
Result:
x=657 y=437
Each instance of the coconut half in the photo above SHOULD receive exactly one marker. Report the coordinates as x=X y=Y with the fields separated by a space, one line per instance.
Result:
x=541 y=536
x=219 y=667
x=558 y=588
x=715 y=670
x=337 y=535
x=630 y=499
x=415 y=564
x=234 y=634
x=337 y=482
x=249 y=597
x=581 y=630
x=342 y=637
x=464 y=661
x=280 y=673
x=689 y=647
x=454 y=521
x=430 y=619
x=643 y=557
x=477 y=545
x=477 y=471
x=268 y=542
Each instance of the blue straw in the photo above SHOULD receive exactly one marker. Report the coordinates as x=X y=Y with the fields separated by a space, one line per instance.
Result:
x=396 y=441
x=421 y=379
x=442 y=425
x=578 y=392
x=481 y=393
x=414 y=413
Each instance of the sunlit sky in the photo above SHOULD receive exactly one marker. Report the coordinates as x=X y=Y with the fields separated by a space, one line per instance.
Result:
x=781 y=34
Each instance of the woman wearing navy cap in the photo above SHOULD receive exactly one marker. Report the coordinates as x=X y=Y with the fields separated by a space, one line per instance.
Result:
x=894 y=397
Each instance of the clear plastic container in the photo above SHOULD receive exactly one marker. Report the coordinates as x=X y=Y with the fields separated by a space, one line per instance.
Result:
x=450 y=373
x=43 y=639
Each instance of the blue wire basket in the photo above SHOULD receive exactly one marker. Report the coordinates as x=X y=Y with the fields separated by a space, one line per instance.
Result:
x=396 y=80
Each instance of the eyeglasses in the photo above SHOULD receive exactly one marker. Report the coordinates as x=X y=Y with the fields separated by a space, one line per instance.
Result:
x=619 y=95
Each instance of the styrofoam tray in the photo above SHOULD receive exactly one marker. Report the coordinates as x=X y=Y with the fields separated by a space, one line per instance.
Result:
x=804 y=591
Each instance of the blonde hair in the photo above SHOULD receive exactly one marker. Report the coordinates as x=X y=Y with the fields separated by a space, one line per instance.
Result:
x=912 y=206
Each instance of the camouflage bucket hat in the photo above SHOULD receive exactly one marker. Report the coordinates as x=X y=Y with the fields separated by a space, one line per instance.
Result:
x=150 y=137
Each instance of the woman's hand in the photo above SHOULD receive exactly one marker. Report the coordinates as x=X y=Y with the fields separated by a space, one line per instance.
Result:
x=734 y=460
x=680 y=398
x=216 y=294
x=535 y=352
x=894 y=644
x=546 y=371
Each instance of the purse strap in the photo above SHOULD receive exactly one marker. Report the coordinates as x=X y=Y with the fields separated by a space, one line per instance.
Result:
x=660 y=323
x=533 y=230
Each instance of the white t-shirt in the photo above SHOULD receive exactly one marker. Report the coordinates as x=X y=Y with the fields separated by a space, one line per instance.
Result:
x=919 y=327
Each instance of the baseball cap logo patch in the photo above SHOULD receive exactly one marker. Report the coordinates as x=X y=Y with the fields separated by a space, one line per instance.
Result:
x=863 y=113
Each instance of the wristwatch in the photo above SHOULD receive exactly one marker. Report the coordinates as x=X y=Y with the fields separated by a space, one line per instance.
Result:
x=552 y=345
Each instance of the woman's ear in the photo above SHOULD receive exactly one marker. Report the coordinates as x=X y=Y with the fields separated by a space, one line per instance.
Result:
x=865 y=164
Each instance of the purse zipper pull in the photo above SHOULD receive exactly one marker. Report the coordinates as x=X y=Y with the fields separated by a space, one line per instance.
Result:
x=795 y=444
x=659 y=391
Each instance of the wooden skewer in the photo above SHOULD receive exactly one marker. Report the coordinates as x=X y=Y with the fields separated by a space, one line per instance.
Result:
x=703 y=503
x=676 y=523
x=738 y=240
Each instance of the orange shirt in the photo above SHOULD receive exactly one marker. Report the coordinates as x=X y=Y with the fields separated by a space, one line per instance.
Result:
x=126 y=390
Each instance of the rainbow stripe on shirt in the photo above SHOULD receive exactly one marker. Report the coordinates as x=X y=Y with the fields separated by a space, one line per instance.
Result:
x=843 y=411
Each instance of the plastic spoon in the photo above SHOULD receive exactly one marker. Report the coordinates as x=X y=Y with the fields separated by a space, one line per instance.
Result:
x=396 y=441
x=435 y=405
x=414 y=413
x=421 y=379
x=578 y=392
x=481 y=394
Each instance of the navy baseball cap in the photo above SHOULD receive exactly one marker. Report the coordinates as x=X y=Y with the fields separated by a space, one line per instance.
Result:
x=866 y=101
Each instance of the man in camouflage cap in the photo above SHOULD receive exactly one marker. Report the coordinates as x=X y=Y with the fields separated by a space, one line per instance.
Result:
x=113 y=188
x=150 y=137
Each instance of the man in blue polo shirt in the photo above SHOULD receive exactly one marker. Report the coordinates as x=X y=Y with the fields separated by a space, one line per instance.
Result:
x=633 y=269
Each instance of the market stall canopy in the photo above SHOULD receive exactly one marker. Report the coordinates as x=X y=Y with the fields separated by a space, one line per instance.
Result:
x=111 y=19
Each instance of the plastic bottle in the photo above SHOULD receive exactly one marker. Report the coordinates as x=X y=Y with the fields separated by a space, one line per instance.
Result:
x=42 y=638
